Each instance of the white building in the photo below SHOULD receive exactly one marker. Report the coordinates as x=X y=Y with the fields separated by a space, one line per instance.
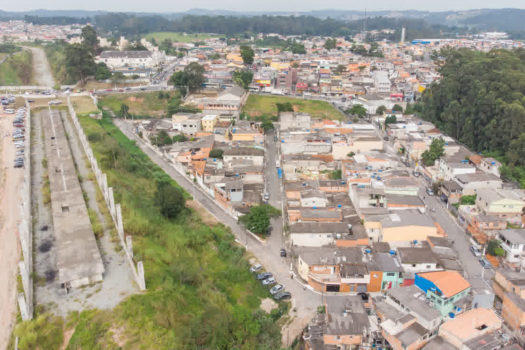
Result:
x=131 y=59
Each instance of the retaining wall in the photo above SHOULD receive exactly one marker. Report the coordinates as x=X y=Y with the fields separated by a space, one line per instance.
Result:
x=114 y=208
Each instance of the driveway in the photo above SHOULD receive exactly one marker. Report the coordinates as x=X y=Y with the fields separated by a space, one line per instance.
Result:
x=304 y=301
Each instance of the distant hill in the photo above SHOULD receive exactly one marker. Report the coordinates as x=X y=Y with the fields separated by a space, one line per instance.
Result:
x=510 y=20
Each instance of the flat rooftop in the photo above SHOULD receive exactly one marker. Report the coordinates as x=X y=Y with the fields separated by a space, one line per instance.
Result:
x=78 y=257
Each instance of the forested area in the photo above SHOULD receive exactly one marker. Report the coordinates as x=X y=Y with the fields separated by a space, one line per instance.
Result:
x=124 y=24
x=480 y=101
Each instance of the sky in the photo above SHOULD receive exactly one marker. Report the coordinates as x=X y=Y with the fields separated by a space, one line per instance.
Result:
x=255 y=5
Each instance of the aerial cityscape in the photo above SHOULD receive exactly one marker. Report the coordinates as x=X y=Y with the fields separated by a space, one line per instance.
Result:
x=262 y=176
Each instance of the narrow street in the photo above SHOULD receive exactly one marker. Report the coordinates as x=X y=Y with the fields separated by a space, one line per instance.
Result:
x=304 y=301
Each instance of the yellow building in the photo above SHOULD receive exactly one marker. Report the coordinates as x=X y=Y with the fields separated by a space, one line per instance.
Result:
x=209 y=121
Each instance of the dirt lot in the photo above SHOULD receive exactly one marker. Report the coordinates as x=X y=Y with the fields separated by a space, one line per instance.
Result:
x=10 y=183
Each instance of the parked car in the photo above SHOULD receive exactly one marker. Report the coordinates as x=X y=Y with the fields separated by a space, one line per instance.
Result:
x=264 y=275
x=282 y=296
x=485 y=263
x=283 y=253
x=276 y=289
x=255 y=268
x=18 y=165
x=429 y=191
x=269 y=281
x=475 y=251
x=416 y=173
x=266 y=196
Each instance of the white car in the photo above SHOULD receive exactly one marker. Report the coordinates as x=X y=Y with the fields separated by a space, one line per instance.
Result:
x=276 y=289
x=269 y=281
x=255 y=268
x=475 y=251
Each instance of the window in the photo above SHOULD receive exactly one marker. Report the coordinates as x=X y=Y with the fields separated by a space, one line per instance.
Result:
x=390 y=274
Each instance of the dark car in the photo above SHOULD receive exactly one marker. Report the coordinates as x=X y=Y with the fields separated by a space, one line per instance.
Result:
x=363 y=295
x=283 y=253
x=264 y=275
x=282 y=296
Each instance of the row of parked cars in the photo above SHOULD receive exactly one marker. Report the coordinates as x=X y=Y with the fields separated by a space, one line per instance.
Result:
x=19 y=137
x=482 y=260
x=277 y=290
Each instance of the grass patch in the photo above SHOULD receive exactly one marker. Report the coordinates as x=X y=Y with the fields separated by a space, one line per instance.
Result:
x=98 y=229
x=17 y=69
x=144 y=104
x=259 y=105
x=46 y=189
x=180 y=37
x=83 y=105
x=200 y=294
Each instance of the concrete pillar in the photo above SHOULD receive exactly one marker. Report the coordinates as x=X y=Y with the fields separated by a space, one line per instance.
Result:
x=111 y=203
x=140 y=275
x=119 y=223
x=129 y=245
x=24 y=312
x=105 y=186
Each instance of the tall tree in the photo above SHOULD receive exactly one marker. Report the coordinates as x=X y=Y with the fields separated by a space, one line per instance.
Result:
x=435 y=151
x=330 y=44
x=247 y=54
x=79 y=62
x=192 y=77
x=89 y=39
x=243 y=78
x=357 y=110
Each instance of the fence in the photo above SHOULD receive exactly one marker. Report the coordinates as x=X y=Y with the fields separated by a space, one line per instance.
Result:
x=25 y=231
x=114 y=208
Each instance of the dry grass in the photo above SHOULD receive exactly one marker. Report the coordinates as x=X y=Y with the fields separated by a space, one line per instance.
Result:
x=83 y=104
x=205 y=215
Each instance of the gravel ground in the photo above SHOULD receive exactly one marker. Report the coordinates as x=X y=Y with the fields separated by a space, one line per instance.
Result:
x=41 y=70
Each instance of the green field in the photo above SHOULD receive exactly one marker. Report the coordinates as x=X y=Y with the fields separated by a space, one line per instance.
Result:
x=144 y=104
x=179 y=37
x=200 y=293
x=259 y=105
x=17 y=69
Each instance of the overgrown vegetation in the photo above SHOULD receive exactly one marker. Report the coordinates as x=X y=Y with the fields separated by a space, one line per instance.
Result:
x=200 y=294
x=480 y=101
x=140 y=105
x=17 y=69
x=494 y=248
x=258 y=219
x=435 y=151
x=258 y=105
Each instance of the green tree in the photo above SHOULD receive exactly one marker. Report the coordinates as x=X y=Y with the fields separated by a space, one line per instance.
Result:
x=169 y=199
x=435 y=151
x=357 y=110
x=330 y=44
x=124 y=111
x=79 y=62
x=102 y=72
x=266 y=125
x=162 y=138
x=391 y=119
x=243 y=78
x=339 y=69
x=336 y=174
x=258 y=218
x=397 y=108
x=192 y=77
x=247 y=54
x=180 y=138
x=89 y=39
x=216 y=153
x=494 y=248
x=381 y=109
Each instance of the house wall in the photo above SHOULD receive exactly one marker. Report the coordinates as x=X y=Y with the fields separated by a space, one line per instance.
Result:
x=420 y=267
x=376 y=279
x=366 y=146
x=512 y=314
x=391 y=280
x=342 y=340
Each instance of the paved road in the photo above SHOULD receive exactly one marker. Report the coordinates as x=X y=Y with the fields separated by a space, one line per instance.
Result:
x=304 y=299
x=471 y=265
x=41 y=69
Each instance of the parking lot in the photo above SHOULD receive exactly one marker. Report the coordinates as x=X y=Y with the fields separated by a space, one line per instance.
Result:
x=11 y=179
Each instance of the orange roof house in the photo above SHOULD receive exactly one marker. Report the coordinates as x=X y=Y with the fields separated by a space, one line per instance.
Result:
x=449 y=283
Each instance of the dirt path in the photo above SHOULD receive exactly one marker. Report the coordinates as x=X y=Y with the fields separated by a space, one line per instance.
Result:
x=10 y=183
x=41 y=70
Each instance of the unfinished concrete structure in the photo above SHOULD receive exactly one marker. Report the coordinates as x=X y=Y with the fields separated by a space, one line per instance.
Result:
x=78 y=258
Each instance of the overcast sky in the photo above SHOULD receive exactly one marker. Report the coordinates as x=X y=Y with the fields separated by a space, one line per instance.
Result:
x=256 y=5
